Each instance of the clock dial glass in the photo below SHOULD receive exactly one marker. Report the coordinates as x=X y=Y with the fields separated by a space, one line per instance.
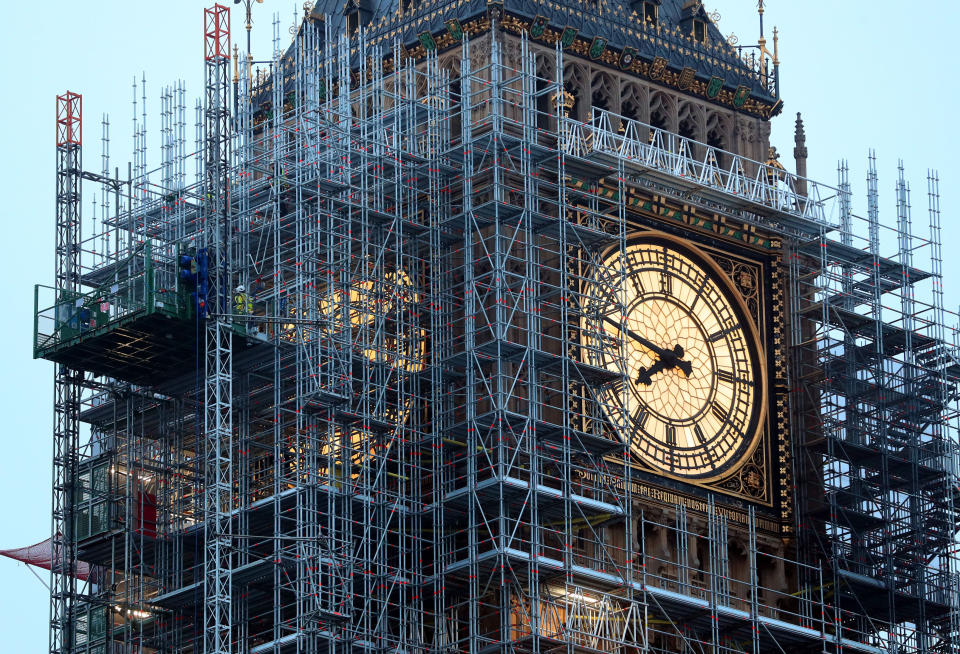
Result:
x=694 y=397
x=385 y=309
x=401 y=344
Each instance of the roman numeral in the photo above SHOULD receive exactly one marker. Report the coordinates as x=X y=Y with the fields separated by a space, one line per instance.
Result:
x=726 y=376
x=719 y=412
x=666 y=279
x=642 y=418
x=716 y=336
x=700 y=284
x=702 y=439
x=698 y=432
x=666 y=283
x=671 y=436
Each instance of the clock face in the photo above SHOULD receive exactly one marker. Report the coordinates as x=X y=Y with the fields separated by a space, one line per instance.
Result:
x=384 y=309
x=695 y=396
x=399 y=343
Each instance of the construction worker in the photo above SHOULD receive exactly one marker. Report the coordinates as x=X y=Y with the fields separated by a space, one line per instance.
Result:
x=242 y=304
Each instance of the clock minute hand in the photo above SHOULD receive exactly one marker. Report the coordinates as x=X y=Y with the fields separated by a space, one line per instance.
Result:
x=666 y=359
x=659 y=351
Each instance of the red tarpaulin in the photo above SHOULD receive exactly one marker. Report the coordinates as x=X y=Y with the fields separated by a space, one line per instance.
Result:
x=41 y=556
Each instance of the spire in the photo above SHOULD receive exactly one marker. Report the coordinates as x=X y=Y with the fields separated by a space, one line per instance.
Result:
x=800 y=155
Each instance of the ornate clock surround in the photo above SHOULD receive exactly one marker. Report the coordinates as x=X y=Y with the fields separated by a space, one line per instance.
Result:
x=752 y=262
x=713 y=400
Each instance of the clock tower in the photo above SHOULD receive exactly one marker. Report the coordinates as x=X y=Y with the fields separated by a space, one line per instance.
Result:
x=495 y=326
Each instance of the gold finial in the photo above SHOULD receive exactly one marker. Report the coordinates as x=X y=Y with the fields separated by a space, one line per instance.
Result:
x=762 y=41
x=236 y=67
x=776 y=49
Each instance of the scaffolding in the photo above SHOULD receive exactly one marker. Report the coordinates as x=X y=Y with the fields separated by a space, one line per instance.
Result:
x=350 y=387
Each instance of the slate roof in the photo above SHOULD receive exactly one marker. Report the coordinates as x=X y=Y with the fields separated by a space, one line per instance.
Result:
x=616 y=20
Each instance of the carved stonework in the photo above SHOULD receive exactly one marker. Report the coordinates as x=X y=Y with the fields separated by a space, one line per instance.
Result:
x=479 y=52
x=595 y=83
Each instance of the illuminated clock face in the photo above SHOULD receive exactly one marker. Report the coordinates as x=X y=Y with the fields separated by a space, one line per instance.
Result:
x=383 y=309
x=695 y=395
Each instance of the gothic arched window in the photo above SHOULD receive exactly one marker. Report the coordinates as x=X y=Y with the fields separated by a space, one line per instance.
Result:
x=718 y=135
x=690 y=121
x=603 y=92
x=575 y=81
x=452 y=68
x=545 y=79
x=633 y=102
x=663 y=111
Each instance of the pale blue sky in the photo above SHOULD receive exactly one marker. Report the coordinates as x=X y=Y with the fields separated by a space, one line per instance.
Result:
x=864 y=73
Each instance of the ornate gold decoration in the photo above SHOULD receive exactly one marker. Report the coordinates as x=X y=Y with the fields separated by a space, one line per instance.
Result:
x=776 y=171
x=658 y=67
x=563 y=100
x=236 y=63
x=781 y=422
x=656 y=70
x=776 y=47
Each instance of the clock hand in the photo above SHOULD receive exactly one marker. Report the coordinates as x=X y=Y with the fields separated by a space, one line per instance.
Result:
x=659 y=351
x=645 y=375
x=666 y=359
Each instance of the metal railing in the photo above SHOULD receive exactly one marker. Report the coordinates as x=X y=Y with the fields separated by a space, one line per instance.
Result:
x=701 y=165
x=141 y=284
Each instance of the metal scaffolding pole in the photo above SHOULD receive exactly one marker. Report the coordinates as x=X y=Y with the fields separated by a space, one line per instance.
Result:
x=217 y=325
x=66 y=424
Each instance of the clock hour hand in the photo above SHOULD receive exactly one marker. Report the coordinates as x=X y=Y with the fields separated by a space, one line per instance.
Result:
x=672 y=360
x=685 y=367
x=645 y=375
